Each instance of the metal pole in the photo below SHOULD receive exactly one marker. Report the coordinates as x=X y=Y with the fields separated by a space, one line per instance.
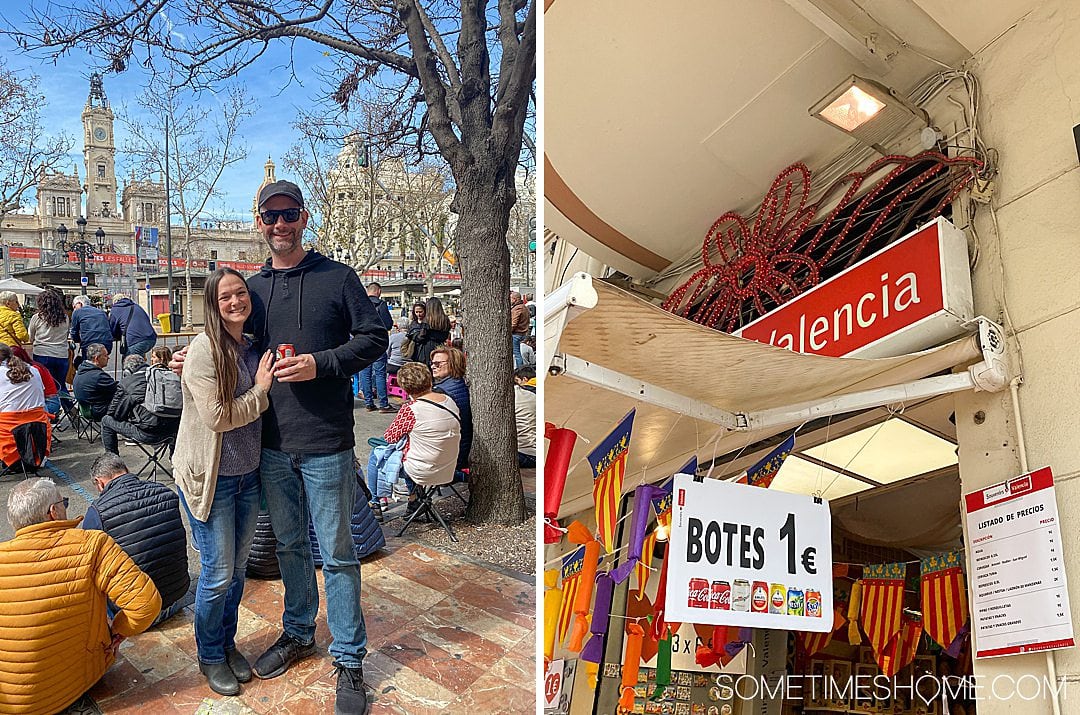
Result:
x=168 y=225
x=82 y=269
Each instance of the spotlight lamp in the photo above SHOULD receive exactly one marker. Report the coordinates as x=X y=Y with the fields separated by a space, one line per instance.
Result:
x=872 y=113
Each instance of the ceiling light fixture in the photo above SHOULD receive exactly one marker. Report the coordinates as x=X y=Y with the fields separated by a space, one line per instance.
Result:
x=870 y=112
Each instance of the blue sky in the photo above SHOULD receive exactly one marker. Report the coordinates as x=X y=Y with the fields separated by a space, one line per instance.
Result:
x=66 y=85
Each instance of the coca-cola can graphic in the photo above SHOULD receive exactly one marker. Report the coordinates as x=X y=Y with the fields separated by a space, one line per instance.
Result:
x=740 y=595
x=699 y=593
x=720 y=597
x=759 y=597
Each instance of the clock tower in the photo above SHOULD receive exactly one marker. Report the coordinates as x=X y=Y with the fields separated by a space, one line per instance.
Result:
x=99 y=152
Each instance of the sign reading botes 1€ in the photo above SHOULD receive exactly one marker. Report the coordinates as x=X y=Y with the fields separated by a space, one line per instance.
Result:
x=747 y=556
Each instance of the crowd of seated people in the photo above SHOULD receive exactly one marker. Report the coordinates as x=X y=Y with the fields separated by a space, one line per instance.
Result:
x=127 y=415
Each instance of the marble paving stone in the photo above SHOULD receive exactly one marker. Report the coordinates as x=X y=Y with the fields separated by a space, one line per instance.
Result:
x=271 y=697
x=141 y=701
x=187 y=690
x=405 y=589
x=432 y=662
x=121 y=677
x=154 y=656
x=264 y=598
x=500 y=631
x=516 y=668
x=491 y=695
x=435 y=570
x=458 y=642
x=385 y=614
x=400 y=689
x=512 y=607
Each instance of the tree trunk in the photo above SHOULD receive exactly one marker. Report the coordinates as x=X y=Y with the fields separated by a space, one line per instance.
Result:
x=484 y=200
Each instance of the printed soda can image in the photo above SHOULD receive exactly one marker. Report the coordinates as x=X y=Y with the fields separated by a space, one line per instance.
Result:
x=720 y=597
x=795 y=602
x=759 y=597
x=813 y=603
x=740 y=595
x=699 y=593
x=777 y=598
x=285 y=350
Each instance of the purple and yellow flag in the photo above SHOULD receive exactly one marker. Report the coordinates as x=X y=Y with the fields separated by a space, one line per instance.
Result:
x=571 y=571
x=944 y=598
x=762 y=473
x=608 y=462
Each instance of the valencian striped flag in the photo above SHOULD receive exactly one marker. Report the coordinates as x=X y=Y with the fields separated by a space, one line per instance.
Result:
x=641 y=568
x=944 y=600
x=762 y=473
x=571 y=571
x=882 y=603
x=813 y=642
x=902 y=647
x=608 y=461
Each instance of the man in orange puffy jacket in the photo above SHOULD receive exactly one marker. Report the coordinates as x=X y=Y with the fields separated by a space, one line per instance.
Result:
x=55 y=581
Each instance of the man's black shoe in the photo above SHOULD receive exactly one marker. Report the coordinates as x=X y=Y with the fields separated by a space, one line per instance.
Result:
x=278 y=657
x=220 y=678
x=351 y=695
x=376 y=510
x=369 y=408
x=238 y=664
x=388 y=410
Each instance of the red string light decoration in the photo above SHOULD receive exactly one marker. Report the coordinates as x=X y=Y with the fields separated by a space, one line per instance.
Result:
x=745 y=264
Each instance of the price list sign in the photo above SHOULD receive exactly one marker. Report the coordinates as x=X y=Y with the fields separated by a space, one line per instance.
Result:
x=747 y=556
x=1019 y=595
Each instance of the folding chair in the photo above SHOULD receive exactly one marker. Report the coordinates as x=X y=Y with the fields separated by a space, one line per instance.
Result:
x=393 y=389
x=32 y=441
x=86 y=427
x=155 y=452
x=426 y=507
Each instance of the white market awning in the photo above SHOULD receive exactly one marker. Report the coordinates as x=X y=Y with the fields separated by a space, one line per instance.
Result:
x=702 y=392
x=17 y=286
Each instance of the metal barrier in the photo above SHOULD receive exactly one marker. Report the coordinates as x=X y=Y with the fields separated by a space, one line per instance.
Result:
x=173 y=341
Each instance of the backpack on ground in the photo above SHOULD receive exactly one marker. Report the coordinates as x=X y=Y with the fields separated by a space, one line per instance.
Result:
x=164 y=397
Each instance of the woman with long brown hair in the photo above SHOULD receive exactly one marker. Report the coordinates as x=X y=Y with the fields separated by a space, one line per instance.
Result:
x=431 y=333
x=226 y=387
x=48 y=332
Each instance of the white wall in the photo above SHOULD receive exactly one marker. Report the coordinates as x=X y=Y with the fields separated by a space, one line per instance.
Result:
x=1028 y=268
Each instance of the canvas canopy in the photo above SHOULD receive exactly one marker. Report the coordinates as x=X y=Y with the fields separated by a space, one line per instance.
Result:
x=609 y=351
x=21 y=287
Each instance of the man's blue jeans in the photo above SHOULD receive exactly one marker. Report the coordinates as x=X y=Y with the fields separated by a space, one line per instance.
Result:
x=518 y=360
x=224 y=544
x=325 y=486
x=376 y=372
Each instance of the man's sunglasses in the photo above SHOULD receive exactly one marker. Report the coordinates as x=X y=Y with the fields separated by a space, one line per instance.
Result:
x=270 y=217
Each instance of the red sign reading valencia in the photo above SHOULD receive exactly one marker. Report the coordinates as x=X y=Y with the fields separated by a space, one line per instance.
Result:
x=904 y=289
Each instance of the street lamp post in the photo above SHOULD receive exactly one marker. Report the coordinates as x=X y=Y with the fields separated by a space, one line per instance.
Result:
x=82 y=248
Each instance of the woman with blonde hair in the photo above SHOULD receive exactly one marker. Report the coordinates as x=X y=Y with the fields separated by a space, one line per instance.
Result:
x=12 y=330
x=226 y=389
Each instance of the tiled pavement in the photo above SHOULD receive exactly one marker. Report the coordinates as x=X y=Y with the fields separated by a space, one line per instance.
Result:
x=445 y=636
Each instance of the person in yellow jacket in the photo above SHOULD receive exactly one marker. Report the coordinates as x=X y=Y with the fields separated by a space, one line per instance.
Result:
x=55 y=581
x=12 y=330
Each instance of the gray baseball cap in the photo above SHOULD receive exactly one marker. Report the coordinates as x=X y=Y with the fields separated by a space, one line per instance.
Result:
x=281 y=188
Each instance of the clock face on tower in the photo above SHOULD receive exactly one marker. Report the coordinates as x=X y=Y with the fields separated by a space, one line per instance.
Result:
x=100 y=134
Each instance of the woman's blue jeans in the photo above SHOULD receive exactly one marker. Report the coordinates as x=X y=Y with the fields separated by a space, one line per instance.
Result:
x=224 y=544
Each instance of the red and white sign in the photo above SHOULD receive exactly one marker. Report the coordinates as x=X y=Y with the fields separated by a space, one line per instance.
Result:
x=911 y=295
x=735 y=536
x=1016 y=569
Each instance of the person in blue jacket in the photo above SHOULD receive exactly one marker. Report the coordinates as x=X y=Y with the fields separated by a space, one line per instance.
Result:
x=129 y=321
x=89 y=325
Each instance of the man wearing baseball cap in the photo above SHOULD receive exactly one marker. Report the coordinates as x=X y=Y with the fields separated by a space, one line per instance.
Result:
x=320 y=307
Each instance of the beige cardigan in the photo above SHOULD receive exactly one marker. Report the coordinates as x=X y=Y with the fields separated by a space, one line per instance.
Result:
x=204 y=419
